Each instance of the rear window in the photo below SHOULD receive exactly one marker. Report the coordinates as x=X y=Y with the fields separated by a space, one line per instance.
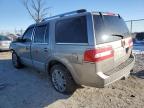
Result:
x=72 y=30
x=107 y=26
x=4 y=38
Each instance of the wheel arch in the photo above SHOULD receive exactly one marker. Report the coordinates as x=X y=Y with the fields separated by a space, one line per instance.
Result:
x=66 y=64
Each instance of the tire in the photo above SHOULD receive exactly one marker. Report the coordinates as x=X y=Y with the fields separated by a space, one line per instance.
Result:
x=62 y=79
x=16 y=61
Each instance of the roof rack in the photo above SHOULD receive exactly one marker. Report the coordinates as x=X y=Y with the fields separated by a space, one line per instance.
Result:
x=66 y=14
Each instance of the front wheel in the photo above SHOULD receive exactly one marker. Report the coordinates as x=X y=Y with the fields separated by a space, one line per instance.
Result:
x=16 y=61
x=62 y=79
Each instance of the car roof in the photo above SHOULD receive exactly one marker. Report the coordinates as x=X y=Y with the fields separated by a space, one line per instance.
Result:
x=72 y=14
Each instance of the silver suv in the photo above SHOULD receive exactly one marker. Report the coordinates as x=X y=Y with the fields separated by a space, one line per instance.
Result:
x=77 y=48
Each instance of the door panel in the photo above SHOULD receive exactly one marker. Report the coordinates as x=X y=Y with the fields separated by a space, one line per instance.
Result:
x=24 y=53
x=40 y=49
x=24 y=49
x=40 y=54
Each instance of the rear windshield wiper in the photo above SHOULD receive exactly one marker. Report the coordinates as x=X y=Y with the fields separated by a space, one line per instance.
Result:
x=118 y=35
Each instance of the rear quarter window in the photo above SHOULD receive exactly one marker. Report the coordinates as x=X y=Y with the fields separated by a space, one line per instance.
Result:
x=72 y=30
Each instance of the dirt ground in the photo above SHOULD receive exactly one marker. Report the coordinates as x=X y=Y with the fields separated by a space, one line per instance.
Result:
x=28 y=88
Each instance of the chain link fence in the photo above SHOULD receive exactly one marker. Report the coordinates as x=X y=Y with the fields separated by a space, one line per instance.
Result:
x=135 y=25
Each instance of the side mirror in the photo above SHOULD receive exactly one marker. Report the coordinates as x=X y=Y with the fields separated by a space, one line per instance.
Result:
x=20 y=39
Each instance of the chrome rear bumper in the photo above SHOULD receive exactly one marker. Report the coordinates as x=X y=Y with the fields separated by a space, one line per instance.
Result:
x=123 y=70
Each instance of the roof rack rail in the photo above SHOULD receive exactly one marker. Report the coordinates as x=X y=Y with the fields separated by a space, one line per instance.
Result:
x=66 y=14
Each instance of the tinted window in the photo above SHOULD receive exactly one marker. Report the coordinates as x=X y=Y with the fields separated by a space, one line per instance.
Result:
x=73 y=30
x=140 y=36
x=4 y=38
x=27 y=35
x=40 y=34
x=107 y=26
x=47 y=34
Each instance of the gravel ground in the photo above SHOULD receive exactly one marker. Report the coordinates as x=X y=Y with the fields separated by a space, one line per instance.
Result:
x=28 y=88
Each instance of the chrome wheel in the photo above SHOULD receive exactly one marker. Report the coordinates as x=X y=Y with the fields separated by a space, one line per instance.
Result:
x=59 y=80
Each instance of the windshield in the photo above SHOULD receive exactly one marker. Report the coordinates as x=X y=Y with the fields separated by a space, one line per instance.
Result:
x=109 y=28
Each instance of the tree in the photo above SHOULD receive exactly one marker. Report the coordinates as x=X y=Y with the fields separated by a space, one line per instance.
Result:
x=36 y=9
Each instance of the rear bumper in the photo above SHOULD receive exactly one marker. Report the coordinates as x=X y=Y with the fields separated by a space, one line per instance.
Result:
x=119 y=72
x=3 y=48
x=101 y=80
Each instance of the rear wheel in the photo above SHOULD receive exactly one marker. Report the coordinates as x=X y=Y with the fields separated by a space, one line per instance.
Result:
x=16 y=61
x=62 y=79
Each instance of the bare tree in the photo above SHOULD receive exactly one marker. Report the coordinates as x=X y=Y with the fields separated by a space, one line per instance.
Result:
x=36 y=9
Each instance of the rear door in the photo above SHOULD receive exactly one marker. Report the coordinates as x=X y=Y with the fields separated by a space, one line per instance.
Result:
x=40 y=48
x=111 y=31
x=71 y=38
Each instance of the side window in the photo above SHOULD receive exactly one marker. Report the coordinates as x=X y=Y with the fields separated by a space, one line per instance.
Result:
x=47 y=34
x=27 y=35
x=39 y=36
x=73 y=30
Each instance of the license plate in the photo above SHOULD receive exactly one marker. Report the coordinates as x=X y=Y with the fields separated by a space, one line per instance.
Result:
x=120 y=52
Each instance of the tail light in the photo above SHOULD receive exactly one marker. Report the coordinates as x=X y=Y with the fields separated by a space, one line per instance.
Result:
x=130 y=42
x=100 y=54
